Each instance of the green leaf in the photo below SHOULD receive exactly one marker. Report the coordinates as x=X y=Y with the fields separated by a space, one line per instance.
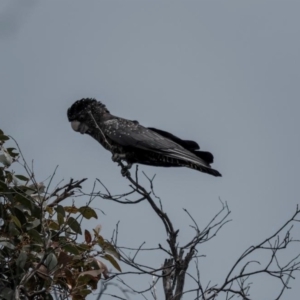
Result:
x=109 y=248
x=84 y=292
x=4 y=188
x=19 y=213
x=59 y=209
x=62 y=240
x=36 y=211
x=71 y=249
x=71 y=209
x=21 y=177
x=77 y=296
x=60 y=219
x=101 y=241
x=4 y=137
x=53 y=225
x=11 y=152
x=25 y=201
x=83 y=247
x=35 y=223
x=112 y=261
x=88 y=212
x=74 y=225
x=5 y=243
x=7 y=294
x=21 y=260
x=85 y=277
x=16 y=221
x=35 y=235
x=50 y=262
x=13 y=229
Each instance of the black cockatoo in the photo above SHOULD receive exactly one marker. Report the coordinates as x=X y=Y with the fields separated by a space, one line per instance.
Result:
x=131 y=142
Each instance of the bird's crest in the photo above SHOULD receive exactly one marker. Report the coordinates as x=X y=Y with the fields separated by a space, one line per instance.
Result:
x=83 y=105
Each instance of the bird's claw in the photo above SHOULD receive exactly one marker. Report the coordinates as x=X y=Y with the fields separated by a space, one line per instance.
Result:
x=125 y=172
x=117 y=157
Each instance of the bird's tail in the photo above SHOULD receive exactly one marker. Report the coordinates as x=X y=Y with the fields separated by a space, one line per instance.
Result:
x=204 y=169
x=206 y=156
x=191 y=160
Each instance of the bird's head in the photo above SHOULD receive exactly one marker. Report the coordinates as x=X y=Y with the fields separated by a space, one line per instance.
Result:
x=79 y=114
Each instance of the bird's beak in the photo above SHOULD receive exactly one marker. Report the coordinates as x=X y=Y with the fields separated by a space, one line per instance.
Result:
x=79 y=127
x=75 y=125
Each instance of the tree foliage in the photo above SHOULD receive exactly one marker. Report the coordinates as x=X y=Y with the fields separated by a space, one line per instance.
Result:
x=40 y=250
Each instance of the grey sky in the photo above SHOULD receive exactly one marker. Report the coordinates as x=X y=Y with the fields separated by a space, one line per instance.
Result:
x=224 y=73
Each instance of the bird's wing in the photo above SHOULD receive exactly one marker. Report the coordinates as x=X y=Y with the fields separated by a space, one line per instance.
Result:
x=187 y=144
x=130 y=134
x=190 y=145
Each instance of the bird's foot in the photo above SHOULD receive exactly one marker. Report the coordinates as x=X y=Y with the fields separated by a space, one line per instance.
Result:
x=125 y=170
x=117 y=157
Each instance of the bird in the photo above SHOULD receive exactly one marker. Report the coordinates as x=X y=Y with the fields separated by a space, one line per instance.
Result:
x=132 y=143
